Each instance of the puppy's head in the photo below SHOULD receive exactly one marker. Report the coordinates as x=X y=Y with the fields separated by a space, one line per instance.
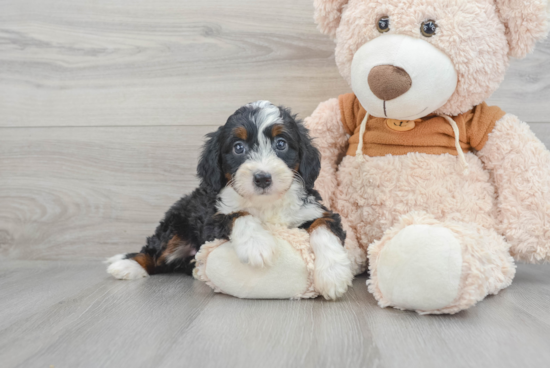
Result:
x=260 y=151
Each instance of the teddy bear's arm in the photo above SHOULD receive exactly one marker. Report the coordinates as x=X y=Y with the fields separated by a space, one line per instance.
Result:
x=520 y=166
x=326 y=128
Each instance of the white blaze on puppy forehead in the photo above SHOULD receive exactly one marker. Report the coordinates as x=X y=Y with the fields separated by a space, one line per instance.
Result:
x=267 y=115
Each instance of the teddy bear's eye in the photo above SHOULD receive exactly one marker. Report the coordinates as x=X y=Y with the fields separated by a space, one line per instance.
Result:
x=428 y=28
x=383 y=24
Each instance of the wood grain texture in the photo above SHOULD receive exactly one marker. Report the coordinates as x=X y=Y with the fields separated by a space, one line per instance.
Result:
x=185 y=62
x=74 y=315
x=69 y=193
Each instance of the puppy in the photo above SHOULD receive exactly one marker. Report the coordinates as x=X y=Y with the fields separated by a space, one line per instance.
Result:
x=258 y=168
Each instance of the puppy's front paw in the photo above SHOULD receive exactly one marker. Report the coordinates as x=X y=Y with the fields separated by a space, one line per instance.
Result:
x=253 y=244
x=333 y=274
x=333 y=282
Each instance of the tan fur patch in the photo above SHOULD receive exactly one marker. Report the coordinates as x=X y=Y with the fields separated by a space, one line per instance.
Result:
x=277 y=130
x=323 y=221
x=239 y=215
x=146 y=262
x=241 y=133
x=171 y=247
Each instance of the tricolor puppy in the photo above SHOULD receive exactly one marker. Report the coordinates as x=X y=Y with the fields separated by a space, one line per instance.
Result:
x=258 y=168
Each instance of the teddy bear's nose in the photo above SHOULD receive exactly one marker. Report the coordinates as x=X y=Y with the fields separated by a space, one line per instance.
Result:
x=388 y=82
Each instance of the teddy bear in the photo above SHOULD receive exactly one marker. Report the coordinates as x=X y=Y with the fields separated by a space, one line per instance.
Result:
x=439 y=193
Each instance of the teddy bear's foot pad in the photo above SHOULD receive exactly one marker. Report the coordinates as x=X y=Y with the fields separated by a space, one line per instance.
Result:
x=420 y=268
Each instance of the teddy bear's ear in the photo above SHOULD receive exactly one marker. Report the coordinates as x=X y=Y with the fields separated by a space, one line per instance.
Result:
x=526 y=22
x=328 y=14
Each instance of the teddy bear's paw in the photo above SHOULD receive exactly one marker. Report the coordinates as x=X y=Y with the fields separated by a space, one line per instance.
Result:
x=253 y=244
x=420 y=268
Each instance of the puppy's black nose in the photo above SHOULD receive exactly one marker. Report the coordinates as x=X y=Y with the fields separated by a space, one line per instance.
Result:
x=262 y=179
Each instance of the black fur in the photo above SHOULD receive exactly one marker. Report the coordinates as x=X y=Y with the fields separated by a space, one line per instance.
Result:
x=332 y=221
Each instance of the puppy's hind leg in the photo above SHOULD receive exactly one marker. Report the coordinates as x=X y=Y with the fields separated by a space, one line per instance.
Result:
x=175 y=255
x=128 y=266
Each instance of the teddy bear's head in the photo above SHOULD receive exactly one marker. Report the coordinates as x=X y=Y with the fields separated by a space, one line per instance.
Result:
x=406 y=59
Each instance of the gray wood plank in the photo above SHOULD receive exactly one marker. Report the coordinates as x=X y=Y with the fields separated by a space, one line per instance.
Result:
x=158 y=62
x=171 y=320
x=80 y=193
x=185 y=62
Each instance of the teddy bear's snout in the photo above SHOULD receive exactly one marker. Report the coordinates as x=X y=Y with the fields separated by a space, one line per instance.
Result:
x=388 y=82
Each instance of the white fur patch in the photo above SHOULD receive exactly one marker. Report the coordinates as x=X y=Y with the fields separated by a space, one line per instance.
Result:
x=268 y=115
x=126 y=269
x=332 y=266
x=421 y=267
x=286 y=209
x=433 y=82
x=253 y=244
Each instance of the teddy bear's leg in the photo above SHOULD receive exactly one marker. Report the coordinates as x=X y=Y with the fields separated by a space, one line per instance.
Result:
x=356 y=254
x=430 y=266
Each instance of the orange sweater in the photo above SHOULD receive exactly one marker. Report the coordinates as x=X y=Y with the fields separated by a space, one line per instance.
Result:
x=431 y=134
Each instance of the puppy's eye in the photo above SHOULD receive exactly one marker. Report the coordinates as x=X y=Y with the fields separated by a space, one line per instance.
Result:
x=428 y=28
x=280 y=144
x=383 y=24
x=238 y=148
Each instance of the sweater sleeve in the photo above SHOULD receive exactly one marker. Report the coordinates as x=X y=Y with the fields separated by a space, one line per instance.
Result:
x=348 y=109
x=482 y=122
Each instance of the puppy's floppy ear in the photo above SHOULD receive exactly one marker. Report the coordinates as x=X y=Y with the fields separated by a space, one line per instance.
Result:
x=526 y=22
x=328 y=14
x=209 y=169
x=310 y=158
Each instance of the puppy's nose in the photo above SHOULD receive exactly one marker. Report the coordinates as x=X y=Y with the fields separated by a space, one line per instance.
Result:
x=262 y=179
x=388 y=82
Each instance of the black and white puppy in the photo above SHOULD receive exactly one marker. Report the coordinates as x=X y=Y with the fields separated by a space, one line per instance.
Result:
x=260 y=167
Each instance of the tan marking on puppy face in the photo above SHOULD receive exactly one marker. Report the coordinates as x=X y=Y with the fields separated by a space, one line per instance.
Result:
x=241 y=133
x=228 y=176
x=277 y=130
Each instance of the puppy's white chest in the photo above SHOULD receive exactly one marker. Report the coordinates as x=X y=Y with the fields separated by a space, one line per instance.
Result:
x=288 y=210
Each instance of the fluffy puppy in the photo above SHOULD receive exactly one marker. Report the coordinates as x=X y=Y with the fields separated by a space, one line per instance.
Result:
x=258 y=168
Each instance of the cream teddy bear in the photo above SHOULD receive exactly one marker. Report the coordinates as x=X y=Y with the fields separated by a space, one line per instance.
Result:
x=439 y=192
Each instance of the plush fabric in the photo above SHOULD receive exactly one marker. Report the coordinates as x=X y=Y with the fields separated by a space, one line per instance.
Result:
x=388 y=82
x=484 y=265
x=520 y=168
x=477 y=35
x=290 y=276
x=430 y=87
x=327 y=118
x=439 y=233
x=432 y=134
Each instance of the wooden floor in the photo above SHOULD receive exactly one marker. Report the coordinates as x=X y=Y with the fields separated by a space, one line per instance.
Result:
x=72 y=314
x=103 y=109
